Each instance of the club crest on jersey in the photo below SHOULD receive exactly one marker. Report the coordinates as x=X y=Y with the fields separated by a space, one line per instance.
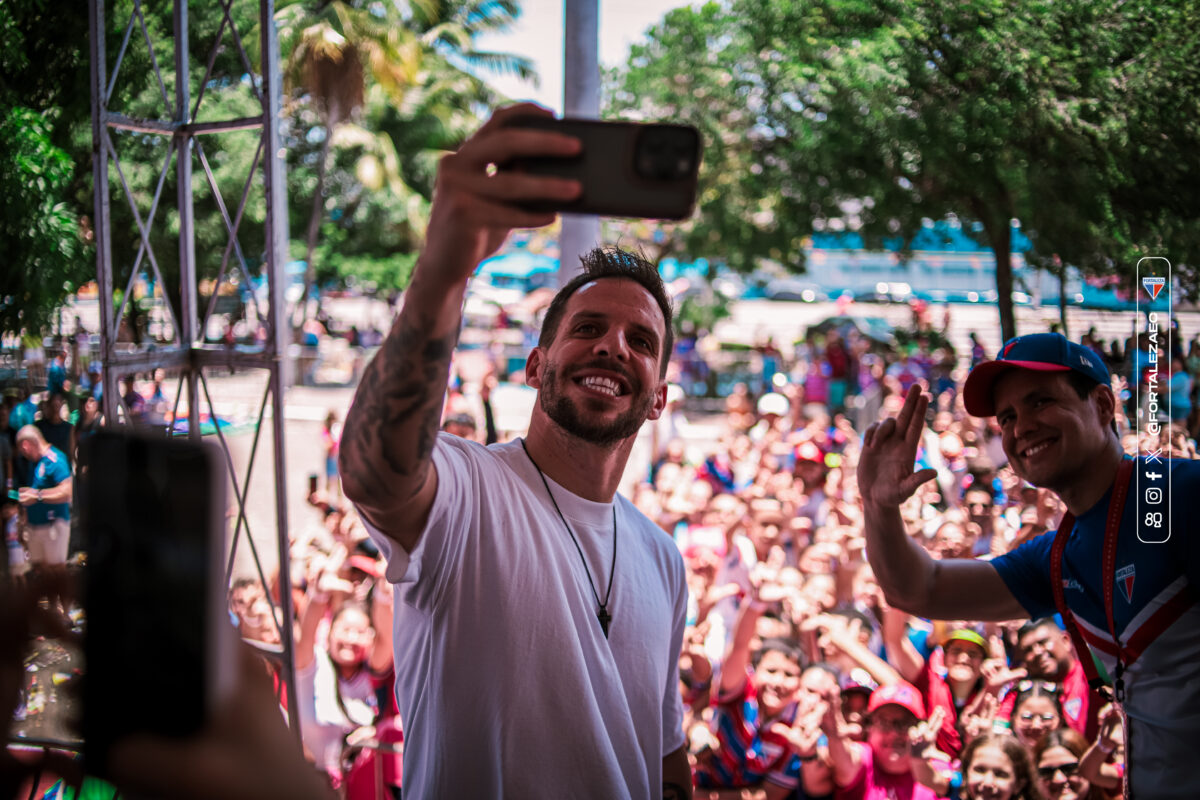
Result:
x=1125 y=577
x=1072 y=707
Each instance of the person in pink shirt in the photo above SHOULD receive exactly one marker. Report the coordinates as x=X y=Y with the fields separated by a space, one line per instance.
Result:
x=883 y=767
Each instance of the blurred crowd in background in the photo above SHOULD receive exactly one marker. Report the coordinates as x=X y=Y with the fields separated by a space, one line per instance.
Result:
x=794 y=667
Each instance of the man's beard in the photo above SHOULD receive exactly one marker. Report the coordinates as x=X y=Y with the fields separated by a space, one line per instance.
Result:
x=570 y=418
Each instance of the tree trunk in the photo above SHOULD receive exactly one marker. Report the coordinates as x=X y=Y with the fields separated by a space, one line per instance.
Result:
x=997 y=225
x=314 y=226
x=1062 y=298
x=1002 y=247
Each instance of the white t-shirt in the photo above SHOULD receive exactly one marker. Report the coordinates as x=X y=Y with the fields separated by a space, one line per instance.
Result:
x=504 y=680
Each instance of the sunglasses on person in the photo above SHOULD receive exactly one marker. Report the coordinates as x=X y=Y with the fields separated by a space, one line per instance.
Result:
x=1049 y=687
x=979 y=506
x=1029 y=716
x=1068 y=769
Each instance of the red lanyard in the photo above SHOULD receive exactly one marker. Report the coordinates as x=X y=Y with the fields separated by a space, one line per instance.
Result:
x=1116 y=508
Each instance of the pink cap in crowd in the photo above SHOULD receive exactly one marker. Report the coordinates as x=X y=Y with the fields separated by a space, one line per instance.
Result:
x=901 y=694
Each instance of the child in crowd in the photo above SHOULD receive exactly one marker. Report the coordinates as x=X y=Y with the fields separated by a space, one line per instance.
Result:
x=997 y=767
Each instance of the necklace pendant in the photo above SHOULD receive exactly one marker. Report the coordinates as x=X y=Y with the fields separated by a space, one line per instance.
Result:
x=604 y=618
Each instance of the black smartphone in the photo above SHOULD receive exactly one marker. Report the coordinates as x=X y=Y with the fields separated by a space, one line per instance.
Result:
x=158 y=643
x=627 y=169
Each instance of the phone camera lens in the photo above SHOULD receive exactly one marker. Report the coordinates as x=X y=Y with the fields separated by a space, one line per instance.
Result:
x=664 y=155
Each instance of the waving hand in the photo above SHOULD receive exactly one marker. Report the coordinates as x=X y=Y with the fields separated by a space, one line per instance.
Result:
x=886 y=476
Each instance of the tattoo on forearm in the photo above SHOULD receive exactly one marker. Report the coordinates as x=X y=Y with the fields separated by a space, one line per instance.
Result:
x=404 y=383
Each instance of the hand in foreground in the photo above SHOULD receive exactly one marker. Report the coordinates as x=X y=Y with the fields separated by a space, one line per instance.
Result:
x=885 y=468
x=19 y=608
x=245 y=753
x=475 y=206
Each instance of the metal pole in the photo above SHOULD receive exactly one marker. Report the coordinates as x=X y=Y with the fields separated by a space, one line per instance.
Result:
x=191 y=356
x=581 y=98
x=100 y=198
x=189 y=337
x=280 y=328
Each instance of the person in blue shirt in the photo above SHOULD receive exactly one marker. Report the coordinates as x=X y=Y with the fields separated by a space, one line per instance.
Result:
x=24 y=412
x=1179 y=390
x=47 y=501
x=1056 y=410
x=56 y=374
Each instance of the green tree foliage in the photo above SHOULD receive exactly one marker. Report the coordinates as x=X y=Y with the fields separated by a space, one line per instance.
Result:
x=419 y=97
x=700 y=66
x=38 y=232
x=1078 y=118
x=43 y=89
x=408 y=67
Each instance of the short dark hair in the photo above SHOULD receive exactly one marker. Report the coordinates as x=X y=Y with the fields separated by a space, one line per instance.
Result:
x=785 y=647
x=849 y=613
x=829 y=669
x=613 y=262
x=979 y=488
x=1034 y=624
x=1081 y=383
x=243 y=583
x=1083 y=386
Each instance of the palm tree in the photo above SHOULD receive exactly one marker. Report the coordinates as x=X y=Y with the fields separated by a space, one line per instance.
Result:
x=420 y=55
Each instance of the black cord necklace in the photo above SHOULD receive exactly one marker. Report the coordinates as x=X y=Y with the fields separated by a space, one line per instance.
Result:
x=602 y=614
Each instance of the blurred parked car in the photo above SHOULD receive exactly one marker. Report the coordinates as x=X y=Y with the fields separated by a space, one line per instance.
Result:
x=886 y=292
x=794 y=289
x=877 y=329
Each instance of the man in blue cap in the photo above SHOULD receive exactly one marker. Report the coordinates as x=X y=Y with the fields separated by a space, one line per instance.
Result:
x=1125 y=594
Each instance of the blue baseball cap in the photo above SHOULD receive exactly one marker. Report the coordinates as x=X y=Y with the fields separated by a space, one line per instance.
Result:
x=1040 y=352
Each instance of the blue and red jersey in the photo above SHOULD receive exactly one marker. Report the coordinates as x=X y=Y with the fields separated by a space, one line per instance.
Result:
x=749 y=753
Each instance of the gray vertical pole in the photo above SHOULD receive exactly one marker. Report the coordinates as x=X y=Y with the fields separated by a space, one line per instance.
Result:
x=581 y=98
x=280 y=327
x=188 y=287
x=104 y=273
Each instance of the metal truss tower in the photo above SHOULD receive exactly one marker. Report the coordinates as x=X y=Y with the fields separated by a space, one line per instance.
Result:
x=185 y=352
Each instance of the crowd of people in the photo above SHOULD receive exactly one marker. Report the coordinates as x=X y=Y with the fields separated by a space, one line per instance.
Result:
x=798 y=678
x=793 y=653
x=747 y=648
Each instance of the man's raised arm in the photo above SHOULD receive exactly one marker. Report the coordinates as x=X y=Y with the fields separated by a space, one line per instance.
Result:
x=910 y=578
x=386 y=454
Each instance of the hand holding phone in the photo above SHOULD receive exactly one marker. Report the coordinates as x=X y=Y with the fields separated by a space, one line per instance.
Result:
x=627 y=169
x=158 y=646
x=475 y=206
